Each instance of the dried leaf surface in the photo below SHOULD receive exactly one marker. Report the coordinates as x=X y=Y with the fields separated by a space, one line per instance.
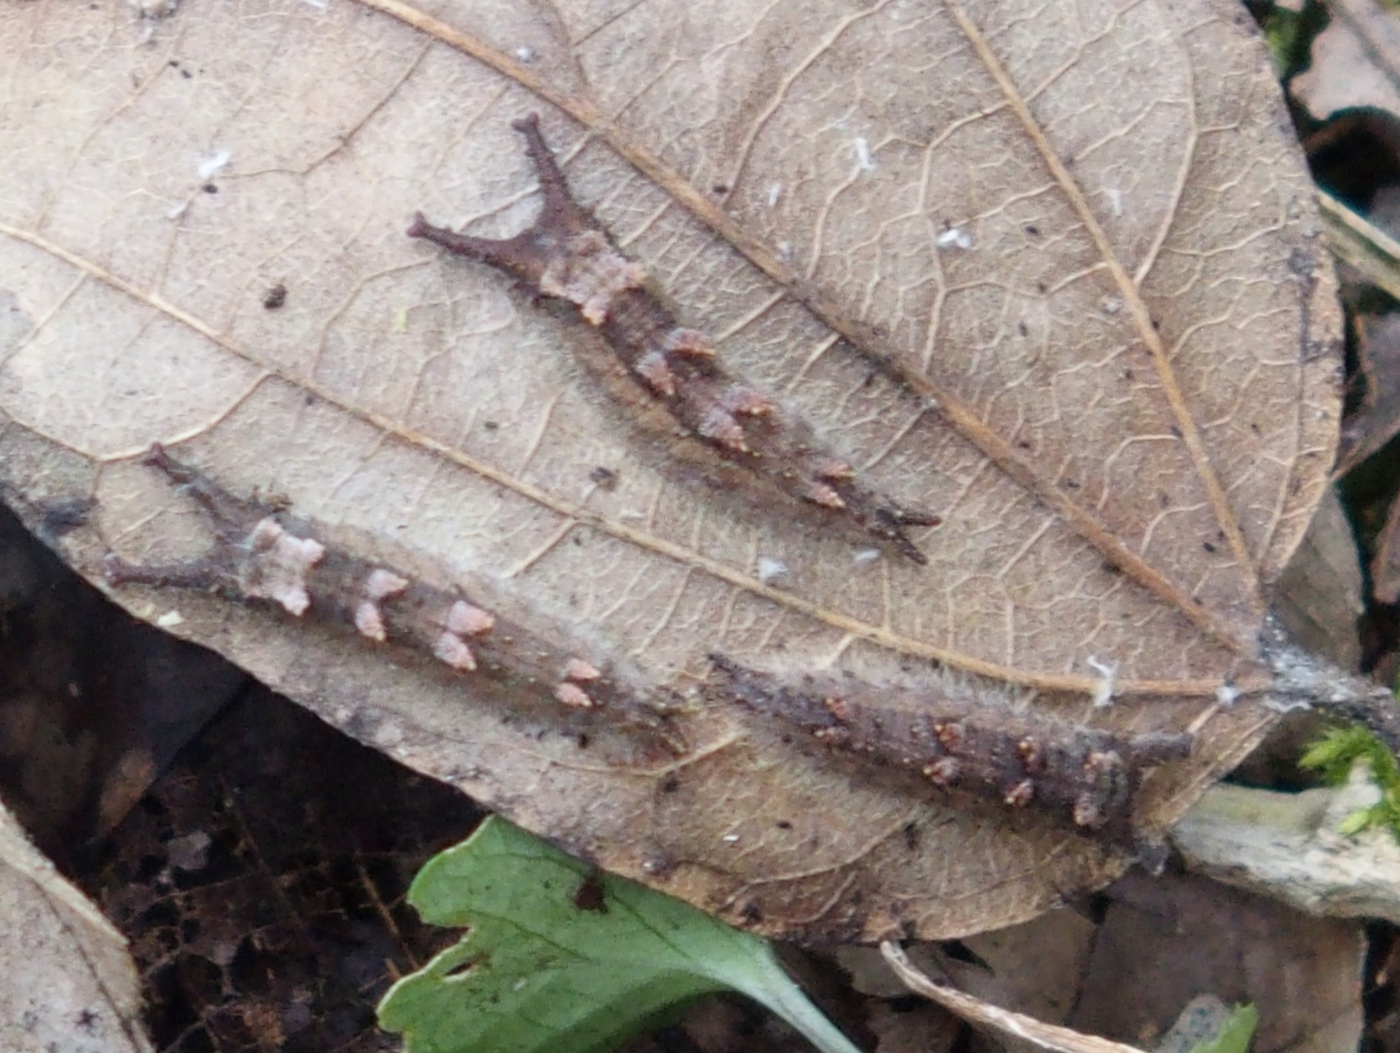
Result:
x=68 y=980
x=1115 y=382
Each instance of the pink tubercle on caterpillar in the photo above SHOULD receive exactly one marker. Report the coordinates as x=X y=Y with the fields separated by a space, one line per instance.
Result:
x=573 y=696
x=382 y=584
x=578 y=670
x=453 y=652
x=465 y=619
x=278 y=564
x=369 y=622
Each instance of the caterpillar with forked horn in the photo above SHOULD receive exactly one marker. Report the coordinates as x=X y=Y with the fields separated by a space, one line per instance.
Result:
x=262 y=555
x=567 y=254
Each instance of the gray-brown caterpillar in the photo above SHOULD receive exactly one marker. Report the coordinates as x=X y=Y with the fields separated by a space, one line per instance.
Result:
x=1088 y=776
x=566 y=254
x=261 y=554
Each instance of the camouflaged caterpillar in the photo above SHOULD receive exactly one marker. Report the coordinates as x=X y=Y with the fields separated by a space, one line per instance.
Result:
x=263 y=555
x=1025 y=760
x=567 y=255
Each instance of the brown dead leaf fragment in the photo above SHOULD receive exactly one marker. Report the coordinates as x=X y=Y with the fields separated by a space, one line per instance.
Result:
x=1047 y=272
x=1377 y=420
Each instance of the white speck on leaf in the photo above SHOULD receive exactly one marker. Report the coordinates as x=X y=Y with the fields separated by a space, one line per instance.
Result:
x=771 y=570
x=170 y=619
x=774 y=192
x=1108 y=672
x=954 y=238
x=213 y=164
x=1115 y=200
x=864 y=161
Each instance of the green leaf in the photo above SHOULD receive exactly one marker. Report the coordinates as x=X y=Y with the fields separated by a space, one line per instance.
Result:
x=561 y=957
x=1235 y=1033
x=1337 y=752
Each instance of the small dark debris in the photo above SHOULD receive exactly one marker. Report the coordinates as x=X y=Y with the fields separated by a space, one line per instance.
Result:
x=720 y=188
x=671 y=783
x=490 y=425
x=275 y=297
x=1032 y=230
x=783 y=824
x=209 y=188
x=589 y=895
x=605 y=478
x=1207 y=546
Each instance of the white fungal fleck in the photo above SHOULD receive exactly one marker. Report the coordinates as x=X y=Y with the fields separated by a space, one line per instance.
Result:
x=785 y=251
x=863 y=159
x=178 y=211
x=731 y=839
x=1103 y=691
x=771 y=570
x=170 y=619
x=774 y=192
x=155 y=8
x=525 y=53
x=212 y=164
x=1111 y=304
x=1227 y=694
x=1115 y=200
x=1291 y=705
x=954 y=238
x=866 y=555
x=320 y=5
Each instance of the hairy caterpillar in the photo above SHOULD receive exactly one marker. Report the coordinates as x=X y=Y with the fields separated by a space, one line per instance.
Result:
x=566 y=254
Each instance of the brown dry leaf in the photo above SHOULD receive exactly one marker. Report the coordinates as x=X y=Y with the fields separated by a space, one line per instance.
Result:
x=66 y=979
x=1117 y=382
x=1377 y=420
x=1304 y=974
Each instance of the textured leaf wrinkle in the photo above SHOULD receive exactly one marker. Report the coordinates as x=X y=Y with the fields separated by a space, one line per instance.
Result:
x=567 y=255
x=262 y=555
